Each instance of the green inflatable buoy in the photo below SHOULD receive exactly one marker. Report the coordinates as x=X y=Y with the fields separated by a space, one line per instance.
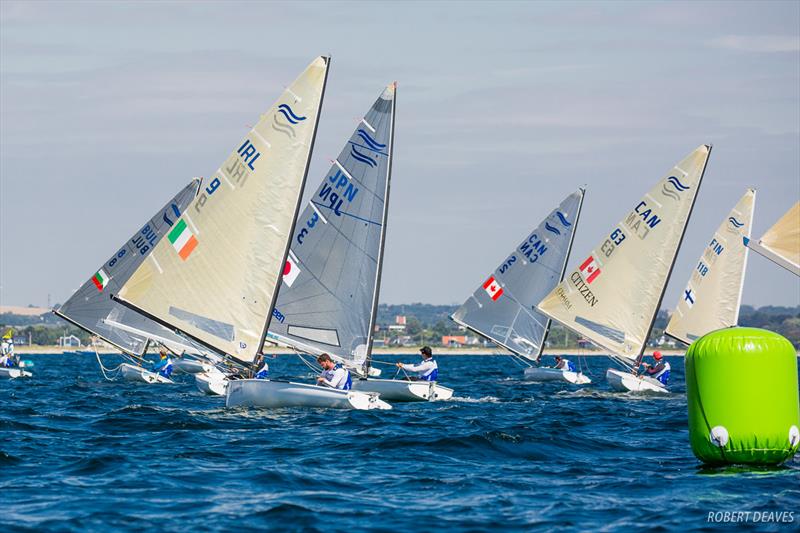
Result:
x=741 y=387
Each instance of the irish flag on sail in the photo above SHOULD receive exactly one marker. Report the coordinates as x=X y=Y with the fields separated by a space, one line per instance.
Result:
x=100 y=280
x=182 y=239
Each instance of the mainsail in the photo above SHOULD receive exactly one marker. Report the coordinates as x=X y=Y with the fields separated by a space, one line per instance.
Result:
x=328 y=298
x=711 y=299
x=613 y=296
x=215 y=277
x=781 y=243
x=502 y=308
x=91 y=305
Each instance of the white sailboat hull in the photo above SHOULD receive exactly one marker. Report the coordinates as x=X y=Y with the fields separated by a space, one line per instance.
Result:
x=280 y=394
x=138 y=374
x=556 y=374
x=189 y=366
x=627 y=382
x=396 y=390
x=13 y=373
x=212 y=383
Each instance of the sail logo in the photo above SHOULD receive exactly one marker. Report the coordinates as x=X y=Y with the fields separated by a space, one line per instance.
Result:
x=369 y=141
x=339 y=189
x=100 y=280
x=363 y=158
x=182 y=239
x=290 y=271
x=590 y=269
x=290 y=116
x=642 y=220
x=533 y=248
x=493 y=288
x=562 y=219
x=551 y=229
x=673 y=187
x=176 y=210
x=734 y=225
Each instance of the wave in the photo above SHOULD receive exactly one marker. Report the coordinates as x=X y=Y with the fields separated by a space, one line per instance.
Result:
x=552 y=229
x=358 y=156
x=372 y=143
x=563 y=219
x=287 y=112
x=735 y=222
x=677 y=183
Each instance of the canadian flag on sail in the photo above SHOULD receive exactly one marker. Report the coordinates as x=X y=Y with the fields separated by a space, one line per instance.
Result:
x=590 y=269
x=290 y=271
x=492 y=288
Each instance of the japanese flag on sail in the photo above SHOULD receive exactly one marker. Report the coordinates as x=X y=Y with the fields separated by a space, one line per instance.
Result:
x=290 y=271
x=590 y=269
x=492 y=288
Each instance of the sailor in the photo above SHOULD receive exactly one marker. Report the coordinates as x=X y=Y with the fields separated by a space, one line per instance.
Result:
x=562 y=363
x=263 y=368
x=333 y=375
x=7 y=350
x=164 y=365
x=427 y=370
x=659 y=370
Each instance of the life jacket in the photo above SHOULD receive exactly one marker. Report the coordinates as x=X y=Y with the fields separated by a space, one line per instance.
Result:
x=433 y=373
x=348 y=384
x=663 y=374
x=166 y=370
x=263 y=373
x=569 y=366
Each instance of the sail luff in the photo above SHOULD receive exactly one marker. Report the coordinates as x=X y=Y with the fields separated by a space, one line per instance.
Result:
x=384 y=219
x=675 y=254
x=279 y=274
x=564 y=266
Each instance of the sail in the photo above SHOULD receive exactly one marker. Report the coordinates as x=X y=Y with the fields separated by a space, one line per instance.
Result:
x=215 y=277
x=781 y=242
x=91 y=305
x=711 y=299
x=328 y=295
x=613 y=296
x=502 y=308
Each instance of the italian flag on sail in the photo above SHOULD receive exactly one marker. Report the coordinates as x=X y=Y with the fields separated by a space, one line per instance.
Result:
x=100 y=280
x=182 y=239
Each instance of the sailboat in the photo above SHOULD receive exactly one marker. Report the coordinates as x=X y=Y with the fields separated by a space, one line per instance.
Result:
x=92 y=309
x=215 y=277
x=781 y=243
x=613 y=296
x=713 y=295
x=328 y=298
x=502 y=308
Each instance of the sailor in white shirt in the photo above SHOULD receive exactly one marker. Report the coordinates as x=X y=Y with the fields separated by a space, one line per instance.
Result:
x=427 y=370
x=333 y=375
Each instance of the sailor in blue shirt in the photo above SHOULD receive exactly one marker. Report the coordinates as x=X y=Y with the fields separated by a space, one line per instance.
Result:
x=427 y=370
x=164 y=365
x=333 y=375
x=263 y=368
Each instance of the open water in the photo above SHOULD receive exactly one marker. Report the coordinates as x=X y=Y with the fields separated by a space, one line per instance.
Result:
x=78 y=453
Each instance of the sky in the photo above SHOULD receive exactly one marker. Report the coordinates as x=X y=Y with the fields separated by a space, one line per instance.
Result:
x=108 y=108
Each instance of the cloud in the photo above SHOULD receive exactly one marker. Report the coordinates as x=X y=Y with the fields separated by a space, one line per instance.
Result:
x=758 y=43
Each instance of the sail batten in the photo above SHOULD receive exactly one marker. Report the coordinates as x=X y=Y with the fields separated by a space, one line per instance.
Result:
x=713 y=294
x=220 y=266
x=502 y=308
x=327 y=296
x=612 y=298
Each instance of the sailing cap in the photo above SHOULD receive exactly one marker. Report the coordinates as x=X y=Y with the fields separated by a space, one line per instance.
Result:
x=426 y=350
x=657 y=355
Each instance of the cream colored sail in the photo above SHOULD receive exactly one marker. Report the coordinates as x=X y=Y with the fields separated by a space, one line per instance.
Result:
x=781 y=242
x=215 y=276
x=711 y=299
x=613 y=296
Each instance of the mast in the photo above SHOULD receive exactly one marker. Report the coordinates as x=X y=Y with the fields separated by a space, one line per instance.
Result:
x=675 y=255
x=563 y=268
x=279 y=275
x=385 y=216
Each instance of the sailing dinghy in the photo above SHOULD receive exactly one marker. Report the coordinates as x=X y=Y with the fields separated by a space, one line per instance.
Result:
x=329 y=294
x=92 y=309
x=613 y=296
x=502 y=309
x=215 y=277
x=713 y=295
x=781 y=243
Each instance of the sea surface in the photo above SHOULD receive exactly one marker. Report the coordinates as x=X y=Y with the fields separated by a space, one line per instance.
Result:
x=79 y=453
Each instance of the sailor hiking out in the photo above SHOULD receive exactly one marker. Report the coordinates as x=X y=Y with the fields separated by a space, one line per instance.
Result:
x=660 y=370
x=427 y=370
x=164 y=365
x=333 y=375
x=562 y=363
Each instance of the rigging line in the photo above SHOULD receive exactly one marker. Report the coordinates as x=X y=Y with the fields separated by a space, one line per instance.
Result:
x=103 y=369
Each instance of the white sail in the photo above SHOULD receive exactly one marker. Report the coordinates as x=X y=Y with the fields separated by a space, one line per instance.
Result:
x=711 y=299
x=781 y=242
x=613 y=296
x=215 y=277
